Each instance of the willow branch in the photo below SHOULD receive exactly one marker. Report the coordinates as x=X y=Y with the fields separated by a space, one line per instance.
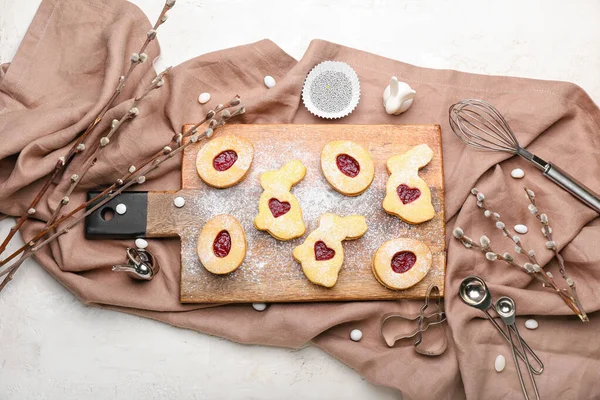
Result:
x=134 y=175
x=116 y=124
x=533 y=270
x=532 y=267
x=551 y=245
x=175 y=142
x=516 y=239
x=76 y=148
x=54 y=220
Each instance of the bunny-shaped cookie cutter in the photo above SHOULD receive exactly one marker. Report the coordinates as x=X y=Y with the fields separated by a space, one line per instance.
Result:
x=393 y=322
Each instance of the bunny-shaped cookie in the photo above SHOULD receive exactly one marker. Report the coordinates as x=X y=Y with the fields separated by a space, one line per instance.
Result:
x=407 y=195
x=322 y=254
x=279 y=212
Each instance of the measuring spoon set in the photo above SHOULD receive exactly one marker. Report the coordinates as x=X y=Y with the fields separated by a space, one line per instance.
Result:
x=474 y=292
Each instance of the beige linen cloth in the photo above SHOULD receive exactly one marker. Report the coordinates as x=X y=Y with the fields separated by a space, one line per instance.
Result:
x=67 y=66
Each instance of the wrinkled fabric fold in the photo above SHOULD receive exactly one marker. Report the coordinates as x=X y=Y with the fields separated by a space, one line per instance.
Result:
x=49 y=93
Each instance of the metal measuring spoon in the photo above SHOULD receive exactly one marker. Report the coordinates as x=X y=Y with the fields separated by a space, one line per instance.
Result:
x=141 y=265
x=474 y=292
x=506 y=309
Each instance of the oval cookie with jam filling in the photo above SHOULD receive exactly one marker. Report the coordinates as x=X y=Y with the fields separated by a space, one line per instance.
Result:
x=347 y=166
x=401 y=263
x=222 y=244
x=224 y=161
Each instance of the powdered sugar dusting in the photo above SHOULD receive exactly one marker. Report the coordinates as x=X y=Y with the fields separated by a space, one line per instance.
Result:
x=269 y=272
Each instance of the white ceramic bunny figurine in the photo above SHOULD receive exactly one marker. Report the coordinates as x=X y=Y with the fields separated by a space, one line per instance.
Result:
x=397 y=97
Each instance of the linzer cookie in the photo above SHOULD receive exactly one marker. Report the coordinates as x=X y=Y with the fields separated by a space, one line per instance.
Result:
x=401 y=263
x=222 y=244
x=224 y=161
x=347 y=166
x=407 y=195
x=279 y=211
x=270 y=273
x=322 y=254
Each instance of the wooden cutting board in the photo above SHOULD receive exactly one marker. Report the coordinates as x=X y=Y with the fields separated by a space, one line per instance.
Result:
x=269 y=272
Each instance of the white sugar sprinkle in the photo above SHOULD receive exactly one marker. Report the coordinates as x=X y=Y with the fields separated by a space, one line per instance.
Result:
x=266 y=256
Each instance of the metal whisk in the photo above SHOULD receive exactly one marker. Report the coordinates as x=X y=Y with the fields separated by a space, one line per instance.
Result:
x=478 y=124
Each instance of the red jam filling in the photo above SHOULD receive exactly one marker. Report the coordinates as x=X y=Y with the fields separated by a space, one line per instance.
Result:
x=222 y=244
x=403 y=261
x=408 y=194
x=279 y=208
x=348 y=165
x=322 y=252
x=224 y=160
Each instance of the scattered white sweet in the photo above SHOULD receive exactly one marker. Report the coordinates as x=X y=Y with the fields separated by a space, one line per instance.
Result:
x=141 y=243
x=500 y=363
x=204 y=98
x=397 y=97
x=517 y=173
x=531 y=324
x=179 y=201
x=356 y=335
x=121 y=208
x=520 y=228
x=259 y=306
x=269 y=81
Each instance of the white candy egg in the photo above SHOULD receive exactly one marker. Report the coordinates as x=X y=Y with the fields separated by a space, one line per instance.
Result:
x=269 y=81
x=517 y=173
x=520 y=228
x=500 y=363
x=179 y=201
x=531 y=324
x=121 y=208
x=356 y=335
x=204 y=98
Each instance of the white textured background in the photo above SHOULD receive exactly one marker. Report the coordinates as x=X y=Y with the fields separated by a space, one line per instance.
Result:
x=52 y=347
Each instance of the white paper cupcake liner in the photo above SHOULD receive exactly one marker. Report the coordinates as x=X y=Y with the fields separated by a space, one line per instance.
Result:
x=331 y=90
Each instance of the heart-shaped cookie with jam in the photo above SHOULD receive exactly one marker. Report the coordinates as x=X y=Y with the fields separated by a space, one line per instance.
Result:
x=222 y=244
x=347 y=166
x=407 y=195
x=322 y=254
x=279 y=211
x=224 y=161
x=401 y=263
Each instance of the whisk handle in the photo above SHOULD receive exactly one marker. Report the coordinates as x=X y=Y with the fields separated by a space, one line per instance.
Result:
x=573 y=186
